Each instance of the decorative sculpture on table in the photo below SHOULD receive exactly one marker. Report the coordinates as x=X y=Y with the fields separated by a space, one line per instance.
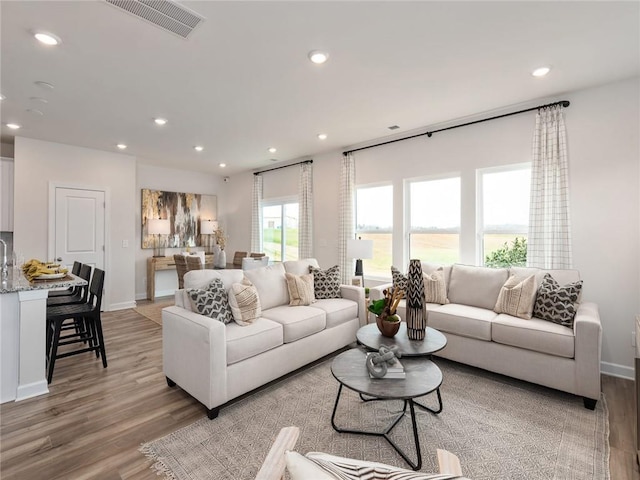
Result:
x=416 y=311
x=377 y=362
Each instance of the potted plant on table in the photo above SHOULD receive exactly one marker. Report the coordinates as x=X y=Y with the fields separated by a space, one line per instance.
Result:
x=384 y=309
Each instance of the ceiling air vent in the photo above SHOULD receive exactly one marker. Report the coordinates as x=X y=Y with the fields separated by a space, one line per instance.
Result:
x=168 y=15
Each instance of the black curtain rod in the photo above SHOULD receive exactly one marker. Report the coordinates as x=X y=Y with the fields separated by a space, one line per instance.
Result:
x=564 y=103
x=284 y=166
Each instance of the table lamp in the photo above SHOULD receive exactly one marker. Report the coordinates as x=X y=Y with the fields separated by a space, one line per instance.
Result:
x=359 y=249
x=157 y=227
x=208 y=228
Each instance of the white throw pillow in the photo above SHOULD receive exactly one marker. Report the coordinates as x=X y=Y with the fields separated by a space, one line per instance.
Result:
x=244 y=303
x=435 y=289
x=517 y=297
x=300 y=289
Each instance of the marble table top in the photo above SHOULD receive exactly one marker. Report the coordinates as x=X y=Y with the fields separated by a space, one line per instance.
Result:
x=17 y=282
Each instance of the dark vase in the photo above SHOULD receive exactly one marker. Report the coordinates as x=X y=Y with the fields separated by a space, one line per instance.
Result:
x=416 y=311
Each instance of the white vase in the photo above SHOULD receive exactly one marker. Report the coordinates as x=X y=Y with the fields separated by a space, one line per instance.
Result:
x=219 y=258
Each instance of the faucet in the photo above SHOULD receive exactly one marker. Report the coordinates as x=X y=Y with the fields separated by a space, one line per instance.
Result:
x=5 y=270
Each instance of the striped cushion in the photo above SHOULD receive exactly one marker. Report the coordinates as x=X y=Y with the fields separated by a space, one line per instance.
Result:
x=517 y=297
x=244 y=302
x=435 y=289
x=300 y=289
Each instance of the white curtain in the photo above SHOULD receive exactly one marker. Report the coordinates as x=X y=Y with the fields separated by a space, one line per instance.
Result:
x=256 y=215
x=346 y=215
x=549 y=242
x=305 y=219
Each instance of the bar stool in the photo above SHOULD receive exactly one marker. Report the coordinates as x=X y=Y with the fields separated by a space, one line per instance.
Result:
x=68 y=291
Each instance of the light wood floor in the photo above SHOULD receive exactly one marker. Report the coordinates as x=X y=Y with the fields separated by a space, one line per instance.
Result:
x=93 y=420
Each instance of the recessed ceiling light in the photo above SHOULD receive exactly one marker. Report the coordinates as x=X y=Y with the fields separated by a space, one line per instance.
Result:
x=273 y=150
x=35 y=111
x=39 y=99
x=318 y=57
x=45 y=85
x=160 y=121
x=47 y=38
x=540 y=72
x=322 y=136
x=13 y=126
x=121 y=146
x=222 y=165
x=198 y=148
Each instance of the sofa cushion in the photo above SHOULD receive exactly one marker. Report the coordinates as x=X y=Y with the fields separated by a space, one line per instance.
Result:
x=337 y=310
x=202 y=278
x=517 y=296
x=476 y=286
x=300 y=267
x=244 y=302
x=212 y=302
x=300 y=289
x=297 y=322
x=271 y=285
x=399 y=280
x=557 y=303
x=535 y=334
x=462 y=320
x=435 y=289
x=326 y=283
x=252 y=340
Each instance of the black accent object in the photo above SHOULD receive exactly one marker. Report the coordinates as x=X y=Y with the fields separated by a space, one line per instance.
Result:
x=564 y=103
x=86 y=326
x=385 y=433
x=213 y=413
x=170 y=382
x=69 y=291
x=589 y=403
x=359 y=268
x=283 y=166
x=78 y=295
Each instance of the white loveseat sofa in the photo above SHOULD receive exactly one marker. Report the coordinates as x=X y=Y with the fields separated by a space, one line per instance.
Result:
x=216 y=362
x=534 y=350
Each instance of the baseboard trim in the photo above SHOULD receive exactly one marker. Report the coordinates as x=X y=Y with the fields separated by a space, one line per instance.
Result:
x=616 y=370
x=122 y=306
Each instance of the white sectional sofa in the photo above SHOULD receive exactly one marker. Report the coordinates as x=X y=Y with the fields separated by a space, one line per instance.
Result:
x=534 y=350
x=216 y=362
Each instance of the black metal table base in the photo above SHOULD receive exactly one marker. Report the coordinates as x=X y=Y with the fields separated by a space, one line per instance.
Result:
x=424 y=407
x=385 y=433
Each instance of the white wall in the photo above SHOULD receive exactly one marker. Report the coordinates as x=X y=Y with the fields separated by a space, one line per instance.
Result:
x=170 y=180
x=604 y=152
x=37 y=163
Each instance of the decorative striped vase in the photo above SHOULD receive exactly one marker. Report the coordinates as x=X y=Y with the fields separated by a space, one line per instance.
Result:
x=416 y=310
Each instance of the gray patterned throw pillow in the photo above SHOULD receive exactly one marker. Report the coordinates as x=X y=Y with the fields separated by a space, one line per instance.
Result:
x=557 y=303
x=212 y=302
x=326 y=283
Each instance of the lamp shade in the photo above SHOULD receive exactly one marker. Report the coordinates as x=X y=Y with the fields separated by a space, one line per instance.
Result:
x=359 y=249
x=158 y=226
x=208 y=227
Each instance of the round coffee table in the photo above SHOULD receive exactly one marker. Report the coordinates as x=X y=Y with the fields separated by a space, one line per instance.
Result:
x=370 y=337
x=422 y=378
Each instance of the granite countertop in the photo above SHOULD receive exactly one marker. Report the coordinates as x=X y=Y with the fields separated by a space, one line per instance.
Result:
x=17 y=282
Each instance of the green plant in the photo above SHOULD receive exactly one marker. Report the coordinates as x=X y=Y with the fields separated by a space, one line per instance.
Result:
x=385 y=307
x=514 y=255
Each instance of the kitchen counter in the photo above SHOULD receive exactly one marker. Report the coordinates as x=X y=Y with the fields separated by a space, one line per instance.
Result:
x=23 y=326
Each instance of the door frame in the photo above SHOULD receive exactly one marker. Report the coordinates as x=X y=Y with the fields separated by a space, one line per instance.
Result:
x=51 y=246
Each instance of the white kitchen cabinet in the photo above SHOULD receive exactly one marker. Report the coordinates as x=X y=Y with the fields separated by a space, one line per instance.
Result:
x=6 y=194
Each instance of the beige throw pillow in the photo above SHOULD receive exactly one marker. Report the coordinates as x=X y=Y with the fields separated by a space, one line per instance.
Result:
x=435 y=289
x=300 y=289
x=244 y=302
x=517 y=297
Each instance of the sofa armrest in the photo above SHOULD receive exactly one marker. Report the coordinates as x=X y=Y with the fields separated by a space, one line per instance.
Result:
x=194 y=354
x=588 y=349
x=351 y=292
x=376 y=293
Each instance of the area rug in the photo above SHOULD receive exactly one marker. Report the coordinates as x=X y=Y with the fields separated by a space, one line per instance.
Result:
x=500 y=428
x=153 y=311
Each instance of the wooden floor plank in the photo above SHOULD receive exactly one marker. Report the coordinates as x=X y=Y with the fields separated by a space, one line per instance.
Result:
x=93 y=421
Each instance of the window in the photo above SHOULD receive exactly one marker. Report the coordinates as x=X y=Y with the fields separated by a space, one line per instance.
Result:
x=374 y=221
x=503 y=200
x=280 y=230
x=434 y=220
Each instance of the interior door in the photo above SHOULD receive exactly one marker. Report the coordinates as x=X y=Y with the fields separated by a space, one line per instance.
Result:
x=79 y=226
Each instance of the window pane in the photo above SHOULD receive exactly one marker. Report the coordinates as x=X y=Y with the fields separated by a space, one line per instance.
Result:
x=272 y=232
x=380 y=264
x=504 y=249
x=435 y=247
x=505 y=200
x=291 y=231
x=435 y=204
x=374 y=208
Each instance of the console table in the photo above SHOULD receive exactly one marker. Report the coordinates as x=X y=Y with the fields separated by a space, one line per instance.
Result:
x=155 y=264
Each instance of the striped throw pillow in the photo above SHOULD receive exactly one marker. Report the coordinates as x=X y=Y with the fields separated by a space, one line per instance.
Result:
x=300 y=289
x=517 y=297
x=244 y=302
x=435 y=289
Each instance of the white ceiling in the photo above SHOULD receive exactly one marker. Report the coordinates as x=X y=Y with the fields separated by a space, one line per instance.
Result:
x=242 y=82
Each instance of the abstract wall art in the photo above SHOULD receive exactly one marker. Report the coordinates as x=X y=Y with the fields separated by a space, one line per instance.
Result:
x=183 y=210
